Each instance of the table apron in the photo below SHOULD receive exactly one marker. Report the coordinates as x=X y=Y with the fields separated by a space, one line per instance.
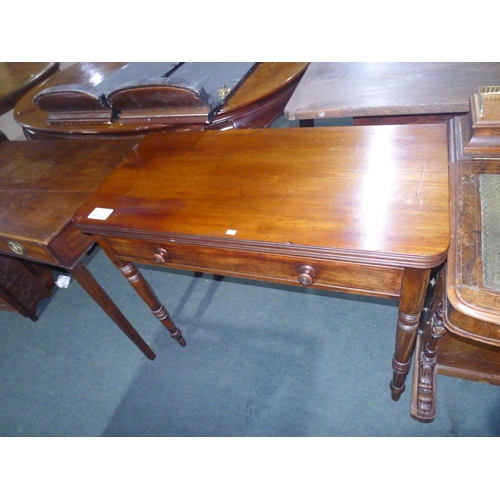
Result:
x=327 y=274
x=64 y=250
x=33 y=251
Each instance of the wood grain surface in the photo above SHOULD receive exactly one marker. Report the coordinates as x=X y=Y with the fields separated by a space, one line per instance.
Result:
x=342 y=89
x=370 y=194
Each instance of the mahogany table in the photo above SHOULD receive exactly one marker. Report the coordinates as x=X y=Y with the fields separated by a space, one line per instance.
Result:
x=362 y=210
x=16 y=78
x=256 y=103
x=460 y=337
x=34 y=282
x=389 y=92
x=41 y=185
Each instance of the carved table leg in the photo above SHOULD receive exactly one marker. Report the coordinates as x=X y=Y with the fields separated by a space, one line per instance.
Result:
x=94 y=289
x=424 y=401
x=413 y=290
x=141 y=286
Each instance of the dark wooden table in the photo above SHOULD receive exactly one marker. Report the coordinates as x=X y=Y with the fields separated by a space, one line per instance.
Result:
x=34 y=282
x=362 y=210
x=41 y=185
x=16 y=78
x=389 y=93
x=256 y=103
x=461 y=335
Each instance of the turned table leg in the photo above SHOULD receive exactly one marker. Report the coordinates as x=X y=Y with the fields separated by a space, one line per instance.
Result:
x=147 y=294
x=83 y=276
x=144 y=290
x=413 y=291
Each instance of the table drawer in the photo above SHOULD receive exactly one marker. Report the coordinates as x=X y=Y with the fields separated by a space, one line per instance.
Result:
x=293 y=270
x=26 y=250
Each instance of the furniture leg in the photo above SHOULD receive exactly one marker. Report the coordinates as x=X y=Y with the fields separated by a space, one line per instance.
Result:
x=306 y=123
x=147 y=294
x=413 y=291
x=141 y=286
x=424 y=405
x=92 y=287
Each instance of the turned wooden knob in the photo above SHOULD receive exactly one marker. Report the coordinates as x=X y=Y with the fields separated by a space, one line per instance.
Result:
x=306 y=276
x=160 y=256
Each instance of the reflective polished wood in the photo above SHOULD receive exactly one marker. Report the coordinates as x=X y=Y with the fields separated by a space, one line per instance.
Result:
x=389 y=92
x=362 y=210
x=16 y=78
x=257 y=103
x=33 y=281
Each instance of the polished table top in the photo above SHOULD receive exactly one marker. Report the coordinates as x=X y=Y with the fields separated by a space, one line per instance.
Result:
x=355 y=209
x=371 y=194
x=270 y=81
x=16 y=78
x=43 y=183
x=342 y=89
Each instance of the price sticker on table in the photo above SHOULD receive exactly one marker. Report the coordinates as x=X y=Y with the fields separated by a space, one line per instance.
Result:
x=100 y=213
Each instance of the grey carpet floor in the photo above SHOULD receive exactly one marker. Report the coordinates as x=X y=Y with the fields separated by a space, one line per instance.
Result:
x=261 y=360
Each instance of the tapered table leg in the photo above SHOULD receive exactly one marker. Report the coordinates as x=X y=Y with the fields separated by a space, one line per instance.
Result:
x=413 y=291
x=83 y=276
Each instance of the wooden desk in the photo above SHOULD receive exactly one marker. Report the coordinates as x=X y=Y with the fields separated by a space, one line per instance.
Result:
x=16 y=78
x=389 y=93
x=257 y=103
x=460 y=337
x=355 y=209
x=41 y=185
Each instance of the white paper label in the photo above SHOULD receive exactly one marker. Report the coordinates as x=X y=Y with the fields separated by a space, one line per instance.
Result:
x=231 y=232
x=100 y=213
x=63 y=281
